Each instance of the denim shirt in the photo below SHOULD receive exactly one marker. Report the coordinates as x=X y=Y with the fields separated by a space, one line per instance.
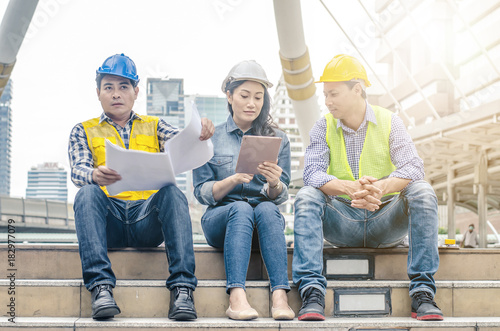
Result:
x=227 y=142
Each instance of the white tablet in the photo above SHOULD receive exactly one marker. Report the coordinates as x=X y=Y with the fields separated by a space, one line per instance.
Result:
x=255 y=150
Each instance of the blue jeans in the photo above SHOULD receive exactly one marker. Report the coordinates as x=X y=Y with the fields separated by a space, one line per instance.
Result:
x=412 y=212
x=103 y=223
x=231 y=227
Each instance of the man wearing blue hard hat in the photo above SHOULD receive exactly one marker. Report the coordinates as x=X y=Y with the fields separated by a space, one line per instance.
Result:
x=133 y=218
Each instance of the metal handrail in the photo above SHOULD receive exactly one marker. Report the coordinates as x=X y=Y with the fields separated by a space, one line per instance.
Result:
x=440 y=62
x=396 y=102
x=398 y=57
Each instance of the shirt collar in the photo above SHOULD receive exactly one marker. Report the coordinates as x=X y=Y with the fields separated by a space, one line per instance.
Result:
x=231 y=126
x=369 y=117
x=104 y=117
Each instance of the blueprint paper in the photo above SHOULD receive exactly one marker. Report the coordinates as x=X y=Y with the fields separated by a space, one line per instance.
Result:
x=151 y=171
x=140 y=170
x=186 y=150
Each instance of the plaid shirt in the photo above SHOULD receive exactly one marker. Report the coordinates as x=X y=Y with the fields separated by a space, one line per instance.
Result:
x=403 y=152
x=80 y=156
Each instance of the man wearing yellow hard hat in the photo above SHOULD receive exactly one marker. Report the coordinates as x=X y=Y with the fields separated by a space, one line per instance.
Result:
x=364 y=187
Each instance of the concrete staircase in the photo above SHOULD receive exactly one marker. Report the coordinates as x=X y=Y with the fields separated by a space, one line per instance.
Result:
x=49 y=293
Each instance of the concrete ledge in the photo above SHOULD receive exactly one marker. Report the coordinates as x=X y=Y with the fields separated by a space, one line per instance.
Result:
x=336 y=324
x=253 y=283
x=150 y=298
x=62 y=261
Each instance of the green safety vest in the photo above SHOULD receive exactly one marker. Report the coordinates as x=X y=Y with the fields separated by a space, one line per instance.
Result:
x=375 y=158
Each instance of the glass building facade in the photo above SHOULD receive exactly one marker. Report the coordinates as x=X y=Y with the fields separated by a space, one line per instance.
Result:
x=165 y=99
x=213 y=108
x=5 y=138
x=47 y=181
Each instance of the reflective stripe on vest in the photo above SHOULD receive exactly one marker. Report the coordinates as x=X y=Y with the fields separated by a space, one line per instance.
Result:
x=143 y=137
x=375 y=158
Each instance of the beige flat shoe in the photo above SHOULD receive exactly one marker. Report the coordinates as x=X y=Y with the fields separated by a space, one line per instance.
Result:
x=247 y=314
x=282 y=314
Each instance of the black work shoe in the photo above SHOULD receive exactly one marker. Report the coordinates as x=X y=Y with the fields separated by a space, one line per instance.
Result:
x=424 y=308
x=313 y=305
x=103 y=303
x=182 y=304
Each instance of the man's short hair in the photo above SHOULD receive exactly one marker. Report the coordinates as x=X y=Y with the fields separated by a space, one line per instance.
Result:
x=351 y=83
x=99 y=77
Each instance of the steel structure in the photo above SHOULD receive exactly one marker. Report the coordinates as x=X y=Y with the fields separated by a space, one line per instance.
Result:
x=12 y=31
x=451 y=110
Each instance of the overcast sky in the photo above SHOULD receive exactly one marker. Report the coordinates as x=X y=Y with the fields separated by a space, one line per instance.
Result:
x=198 y=40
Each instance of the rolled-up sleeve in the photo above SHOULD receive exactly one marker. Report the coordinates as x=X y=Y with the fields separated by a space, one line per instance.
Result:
x=165 y=132
x=203 y=182
x=404 y=154
x=317 y=157
x=80 y=157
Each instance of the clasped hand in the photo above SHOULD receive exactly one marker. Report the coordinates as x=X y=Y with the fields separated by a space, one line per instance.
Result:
x=366 y=193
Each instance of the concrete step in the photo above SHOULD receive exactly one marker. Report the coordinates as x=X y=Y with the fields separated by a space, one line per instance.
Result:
x=150 y=298
x=39 y=261
x=223 y=324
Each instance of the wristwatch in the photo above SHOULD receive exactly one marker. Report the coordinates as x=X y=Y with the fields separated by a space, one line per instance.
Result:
x=277 y=186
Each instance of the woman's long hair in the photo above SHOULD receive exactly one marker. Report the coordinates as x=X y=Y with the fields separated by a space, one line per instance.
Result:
x=263 y=125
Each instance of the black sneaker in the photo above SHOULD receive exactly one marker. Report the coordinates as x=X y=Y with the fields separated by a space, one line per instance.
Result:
x=424 y=308
x=313 y=305
x=182 y=304
x=103 y=303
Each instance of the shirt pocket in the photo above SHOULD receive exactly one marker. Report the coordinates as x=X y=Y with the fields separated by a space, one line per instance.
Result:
x=146 y=143
x=99 y=149
x=222 y=166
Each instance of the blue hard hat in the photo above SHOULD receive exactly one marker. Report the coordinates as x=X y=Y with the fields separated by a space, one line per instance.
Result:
x=119 y=65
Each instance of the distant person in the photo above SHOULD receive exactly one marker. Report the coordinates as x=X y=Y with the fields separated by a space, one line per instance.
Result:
x=364 y=187
x=471 y=238
x=238 y=203
x=134 y=218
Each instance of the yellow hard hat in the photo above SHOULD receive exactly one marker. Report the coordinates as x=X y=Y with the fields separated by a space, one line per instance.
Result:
x=343 y=68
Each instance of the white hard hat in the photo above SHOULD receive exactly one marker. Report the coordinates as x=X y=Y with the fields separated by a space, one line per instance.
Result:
x=246 y=70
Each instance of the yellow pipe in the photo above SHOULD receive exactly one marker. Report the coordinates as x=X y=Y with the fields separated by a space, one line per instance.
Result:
x=5 y=71
x=296 y=65
x=298 y=77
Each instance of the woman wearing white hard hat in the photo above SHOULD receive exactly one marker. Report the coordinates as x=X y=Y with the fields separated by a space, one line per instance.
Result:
x=238 y=203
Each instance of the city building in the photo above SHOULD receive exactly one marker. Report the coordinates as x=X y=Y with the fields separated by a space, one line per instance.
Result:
x=211 y=107
x=5 y=138
x=283 y=115
x=47 y=181
x=165 y=99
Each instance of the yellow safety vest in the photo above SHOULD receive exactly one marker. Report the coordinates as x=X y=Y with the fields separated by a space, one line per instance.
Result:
x=143 y=137
x=375 y=158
